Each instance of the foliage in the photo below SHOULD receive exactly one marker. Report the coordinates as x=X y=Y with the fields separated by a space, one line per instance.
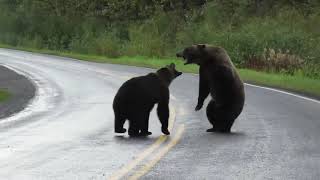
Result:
x=249 y=29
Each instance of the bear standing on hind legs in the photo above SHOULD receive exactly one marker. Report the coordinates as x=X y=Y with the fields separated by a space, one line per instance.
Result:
x=219 y=77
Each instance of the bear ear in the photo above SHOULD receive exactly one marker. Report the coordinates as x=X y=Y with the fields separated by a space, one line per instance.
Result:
x=172 y=65
x=201 y=46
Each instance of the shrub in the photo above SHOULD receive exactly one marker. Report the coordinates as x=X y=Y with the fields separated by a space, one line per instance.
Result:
x=275 y=61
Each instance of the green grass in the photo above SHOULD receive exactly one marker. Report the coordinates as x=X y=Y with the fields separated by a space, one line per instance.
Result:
x=298 y=84
x=139 y=61
x=4 y=95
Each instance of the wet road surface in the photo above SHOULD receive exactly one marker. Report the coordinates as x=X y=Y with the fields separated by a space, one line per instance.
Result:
x=66 y=132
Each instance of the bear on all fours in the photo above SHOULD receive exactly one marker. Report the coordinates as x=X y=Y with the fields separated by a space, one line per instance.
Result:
x=136 y=98
x=218 y=76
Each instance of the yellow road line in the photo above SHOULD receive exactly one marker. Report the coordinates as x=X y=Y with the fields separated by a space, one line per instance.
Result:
x=124 y=170
x=172 y=117
x=146 y=168
x=127 y=168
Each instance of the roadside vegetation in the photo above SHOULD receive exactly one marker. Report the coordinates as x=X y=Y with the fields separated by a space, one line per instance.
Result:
x=273 y=42
x=297 y=83
x=4 y=95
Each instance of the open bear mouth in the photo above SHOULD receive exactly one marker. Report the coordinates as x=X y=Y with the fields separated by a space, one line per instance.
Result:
x=187 y=61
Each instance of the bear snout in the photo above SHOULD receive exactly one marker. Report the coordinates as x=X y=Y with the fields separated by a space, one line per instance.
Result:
x=180 y=54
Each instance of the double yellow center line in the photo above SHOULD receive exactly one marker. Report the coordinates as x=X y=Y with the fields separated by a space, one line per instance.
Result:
x=156 y=158
x=146 y=167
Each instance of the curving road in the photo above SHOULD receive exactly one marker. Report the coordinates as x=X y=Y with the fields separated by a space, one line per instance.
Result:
x=66 y=132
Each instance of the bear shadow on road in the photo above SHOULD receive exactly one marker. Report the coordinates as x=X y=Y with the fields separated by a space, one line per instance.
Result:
x=228 y=135
x=134 y=140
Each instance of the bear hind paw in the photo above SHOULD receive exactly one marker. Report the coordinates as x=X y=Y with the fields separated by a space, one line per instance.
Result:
x=215 y=129
x=145 y=133
x=123 y=130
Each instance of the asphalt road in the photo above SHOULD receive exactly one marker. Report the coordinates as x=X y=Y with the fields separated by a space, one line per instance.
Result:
x=67 y=130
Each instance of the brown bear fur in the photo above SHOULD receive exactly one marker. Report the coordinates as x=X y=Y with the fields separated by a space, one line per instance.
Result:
x=136 y=98
x=218 y=76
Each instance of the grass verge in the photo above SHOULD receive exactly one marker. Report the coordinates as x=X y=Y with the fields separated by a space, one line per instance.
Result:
x=299 y=84
x=4 y=95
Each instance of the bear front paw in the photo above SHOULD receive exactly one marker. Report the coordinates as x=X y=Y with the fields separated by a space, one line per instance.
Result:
x=165 y=131
x=198 y=107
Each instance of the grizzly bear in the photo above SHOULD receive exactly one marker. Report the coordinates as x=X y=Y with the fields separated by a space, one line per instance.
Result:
x=136 y=98
x=218 y=76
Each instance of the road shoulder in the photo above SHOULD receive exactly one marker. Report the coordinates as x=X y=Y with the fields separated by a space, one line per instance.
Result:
x=21 y=89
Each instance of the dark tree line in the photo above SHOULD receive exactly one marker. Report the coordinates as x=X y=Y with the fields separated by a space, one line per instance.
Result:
x=112 y=10
x=117 y=10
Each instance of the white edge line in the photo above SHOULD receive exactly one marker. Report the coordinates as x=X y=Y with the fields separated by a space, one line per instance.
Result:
x=279 y=91
x=284 y=92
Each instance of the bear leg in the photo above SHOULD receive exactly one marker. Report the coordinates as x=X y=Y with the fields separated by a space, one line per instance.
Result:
x=134 y=125
x=224 y=120
x=118 y=123
x=219 y=117
x=145 y=124
x=211 y=108
x=225 y=125
x=211 y=115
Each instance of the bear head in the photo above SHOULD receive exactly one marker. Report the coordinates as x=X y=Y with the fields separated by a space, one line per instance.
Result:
x=193 y=54
x=168 y=73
